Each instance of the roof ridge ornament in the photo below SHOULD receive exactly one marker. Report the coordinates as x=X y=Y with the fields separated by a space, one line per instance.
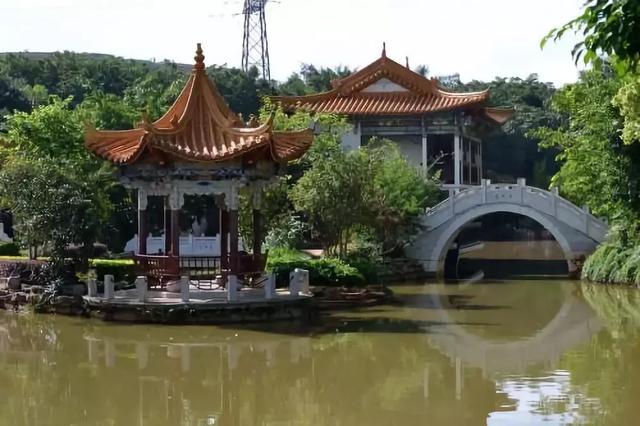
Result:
x=384 y=49
x=199 y=58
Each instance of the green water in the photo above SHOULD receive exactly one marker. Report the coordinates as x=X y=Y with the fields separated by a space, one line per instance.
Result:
x=503 y=353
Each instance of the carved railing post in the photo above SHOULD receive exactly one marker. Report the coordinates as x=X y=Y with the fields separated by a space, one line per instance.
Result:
x=554 y=200
x=587 y=213
x=452 y=201
x=522 y=183
x=485 y=183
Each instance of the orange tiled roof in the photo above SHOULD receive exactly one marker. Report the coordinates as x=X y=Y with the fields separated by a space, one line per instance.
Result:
x=421 y=95
x=199 y=126
x=499 y=115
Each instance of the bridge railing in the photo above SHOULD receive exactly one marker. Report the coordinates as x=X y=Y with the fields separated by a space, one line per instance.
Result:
x=550 y=203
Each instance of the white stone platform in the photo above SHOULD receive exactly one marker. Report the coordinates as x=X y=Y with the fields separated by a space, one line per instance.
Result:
x=196 y=297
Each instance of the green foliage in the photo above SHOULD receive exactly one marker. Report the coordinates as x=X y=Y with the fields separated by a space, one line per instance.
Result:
x=510 y=151
x=595 y=167
x=9 y=249
x=54 y=203
x=609 y=27
x=56 y=191
x=286 y=255
x=242 y=91
x=628 y=101
x=286 y=230
x=371 y=190
x=618 y=260
x=51 y=130
x=613 y=263
x=108 y=111
x=121 y=269
x=324 y=271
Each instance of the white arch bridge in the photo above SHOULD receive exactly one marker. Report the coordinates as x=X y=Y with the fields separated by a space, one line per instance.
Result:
x=574 y=228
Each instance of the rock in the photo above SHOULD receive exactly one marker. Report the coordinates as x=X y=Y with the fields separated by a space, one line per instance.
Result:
x=74 y=290
x=36 y=289
x=14 y=283
x=63 y=300
x=18 y=298
x=34 y=298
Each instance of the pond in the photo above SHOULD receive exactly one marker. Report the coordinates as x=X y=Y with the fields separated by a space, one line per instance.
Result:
x=497 y=353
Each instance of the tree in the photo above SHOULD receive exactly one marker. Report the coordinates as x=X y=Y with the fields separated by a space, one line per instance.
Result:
x=511 y=151
x=319 y=80
x=51 y=130
x=400 y=195
x=628 y=100
x=55 y=189
x=372 y=192
x=242 y=91
x=108 y=111
x=595 y=166
x=55 y=203
x=11 y=98
x=609 y=27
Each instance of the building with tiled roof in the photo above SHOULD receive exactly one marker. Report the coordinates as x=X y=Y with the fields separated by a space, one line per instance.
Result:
x=199 y=147
x=433 y=127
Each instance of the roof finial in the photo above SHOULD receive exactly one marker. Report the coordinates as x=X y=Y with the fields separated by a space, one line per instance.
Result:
x=199 y=65
x=384 y=49
x=407 y=62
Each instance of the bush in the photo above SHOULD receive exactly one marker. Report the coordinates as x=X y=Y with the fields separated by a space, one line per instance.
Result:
x=325 y=271
x=121 y=269
x=368 y=267
x=613 y=263
x=9 y=249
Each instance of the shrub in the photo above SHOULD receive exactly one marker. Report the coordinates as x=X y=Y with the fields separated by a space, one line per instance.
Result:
x=9 y=249
x=325 y=271
x=332 y=271
x=613 y=263
x=121 y=269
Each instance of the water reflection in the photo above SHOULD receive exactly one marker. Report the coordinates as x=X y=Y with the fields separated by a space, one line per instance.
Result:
x=497 y=353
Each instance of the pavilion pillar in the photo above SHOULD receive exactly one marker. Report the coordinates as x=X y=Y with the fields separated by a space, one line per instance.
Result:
x=425 y=146
x=175 y=233
x=224 y=238
x=258 y=221
x=231 y=198
x=457 y=156
x=142 y=222
x=175 y=205
x=258 y=229
x=167 y=227
x=233 y=241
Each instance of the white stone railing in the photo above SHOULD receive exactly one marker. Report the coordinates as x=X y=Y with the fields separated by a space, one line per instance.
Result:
x=549 y=203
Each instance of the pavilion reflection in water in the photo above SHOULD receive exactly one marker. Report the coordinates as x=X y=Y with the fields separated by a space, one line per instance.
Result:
x=378 y=367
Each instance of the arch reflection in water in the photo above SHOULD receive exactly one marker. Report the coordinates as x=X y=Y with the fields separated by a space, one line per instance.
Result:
x=569 y=322
x=379 y=366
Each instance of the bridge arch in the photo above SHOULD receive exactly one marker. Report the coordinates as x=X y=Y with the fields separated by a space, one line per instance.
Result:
x=575 y=229
x=454 y=227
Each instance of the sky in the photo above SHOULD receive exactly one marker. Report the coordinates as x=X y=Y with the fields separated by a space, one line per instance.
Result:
x=477 y=39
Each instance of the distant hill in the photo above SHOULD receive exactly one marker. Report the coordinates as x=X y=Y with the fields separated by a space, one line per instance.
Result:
x=43 y=55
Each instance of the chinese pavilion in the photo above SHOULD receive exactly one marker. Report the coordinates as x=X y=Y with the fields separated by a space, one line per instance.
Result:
x=431 y=126
x=199 y=147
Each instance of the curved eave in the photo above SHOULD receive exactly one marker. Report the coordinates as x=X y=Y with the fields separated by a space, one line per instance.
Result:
x=116 y=146
x=289 y=146
x=499 y=115
x=234 y=149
